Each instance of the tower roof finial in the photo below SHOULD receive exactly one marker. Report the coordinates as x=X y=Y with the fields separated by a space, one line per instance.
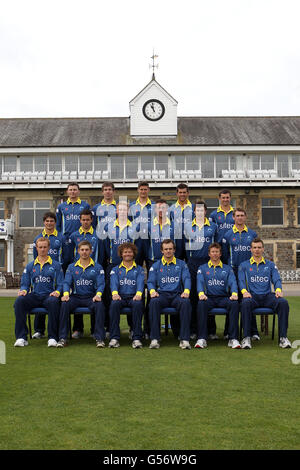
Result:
x=153 y=65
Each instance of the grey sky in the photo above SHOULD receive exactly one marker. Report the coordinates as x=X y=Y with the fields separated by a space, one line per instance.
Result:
x=90 y=58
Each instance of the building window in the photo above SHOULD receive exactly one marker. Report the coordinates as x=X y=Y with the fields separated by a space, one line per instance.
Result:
x=147 y=162
x=161 y=163
x=29 y=253
x=131 y=166
x=263 y=162
x=55 y=163
x=85 y=162
x=207 y=166
x=71 y=163
x=40 y=163
x=2 y=212
x=298 y=256
x=10 y=164
x=212 y=204
x=26 y=164
x=283 y=166
x=272 y=211
x=100 y=163
x=31 y=212
x=296 y=162
x=117 y=168
x=2 y=254
x=224 y=162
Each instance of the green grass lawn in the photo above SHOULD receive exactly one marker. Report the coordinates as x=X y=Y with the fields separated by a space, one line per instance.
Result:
x=81 y=397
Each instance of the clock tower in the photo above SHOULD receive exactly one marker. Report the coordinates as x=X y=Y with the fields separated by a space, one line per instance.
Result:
x=153 y=112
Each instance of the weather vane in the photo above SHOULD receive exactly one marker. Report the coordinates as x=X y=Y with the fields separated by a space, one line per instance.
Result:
x=153 y=65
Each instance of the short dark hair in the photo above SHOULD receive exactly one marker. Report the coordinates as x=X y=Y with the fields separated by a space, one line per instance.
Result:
x=86 y=212
x=166 y=242
x=225 y=191
x=143 y=183
x=239 y=209
x=83 y=243
x=108 y=184
x=161 y=201
x=198 y=202
x=257 y=240
x=49 y=215
x=215 y=245
x=127 y=246
x=182 y=186
x=73 y=184
x=42 y=239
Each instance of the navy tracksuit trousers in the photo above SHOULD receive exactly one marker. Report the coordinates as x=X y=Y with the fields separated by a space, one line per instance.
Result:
x=137 y=310
x=203 y=309
x=75 y=301
x=26 y=303
x=170 y=299
x=279 y=305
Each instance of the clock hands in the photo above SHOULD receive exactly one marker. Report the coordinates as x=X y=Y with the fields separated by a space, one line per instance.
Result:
x=153 y=108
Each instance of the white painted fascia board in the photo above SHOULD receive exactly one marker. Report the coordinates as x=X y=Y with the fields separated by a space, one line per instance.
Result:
x=153 y=148
x=152 y=84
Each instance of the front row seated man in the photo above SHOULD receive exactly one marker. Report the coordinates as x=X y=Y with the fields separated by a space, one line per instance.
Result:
x=86 y=279
x=217 y=288
x=256 y=277
x=169 y=284
x=41 y=285
x=127 y=287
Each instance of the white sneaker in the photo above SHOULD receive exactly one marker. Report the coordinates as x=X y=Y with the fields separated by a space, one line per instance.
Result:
x=114 y=343
x=38 y=335
x=234 y=344
x=21 y=343
x=201 y=343
x=213 y=337
x=52 y=343
x=284 y=343
x=136 y=344
x=246 y=343
x=184 y=345
x=154 y=344
x=255 y=338
x=100 y=344
x=77 y=334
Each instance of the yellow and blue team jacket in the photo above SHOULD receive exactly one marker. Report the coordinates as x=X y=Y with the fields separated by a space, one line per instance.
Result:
x=57 y=240
x=216 y=281
x=127 y=282
x=103 y=215
x=197 y=239
x=173 y=277
x=90 y=236
x=224 y=222
x=157 y=234
x=237 y=245
x=181 y=217
x=85 y=282
x=42 y=279
x=68 y=216
x=115 y=238
x=141 y=215
x=257 y=278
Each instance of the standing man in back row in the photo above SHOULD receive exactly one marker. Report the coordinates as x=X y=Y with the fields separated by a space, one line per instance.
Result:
x=68 y=219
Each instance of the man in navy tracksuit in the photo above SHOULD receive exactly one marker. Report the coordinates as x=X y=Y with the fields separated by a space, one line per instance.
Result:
x=68 y=219
x=223 y=216
x=181 y=214
x=198 y=237
x=86 y=279
x=140 y=211
x=41 y=285
x=57 y=241
x=217 y=287
x=237 y=247
x=169 y=283
x=127 y=287
x=85 y=232
x=256 y=277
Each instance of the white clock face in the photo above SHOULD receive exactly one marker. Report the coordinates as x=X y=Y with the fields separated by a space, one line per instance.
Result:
x=153 y=110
